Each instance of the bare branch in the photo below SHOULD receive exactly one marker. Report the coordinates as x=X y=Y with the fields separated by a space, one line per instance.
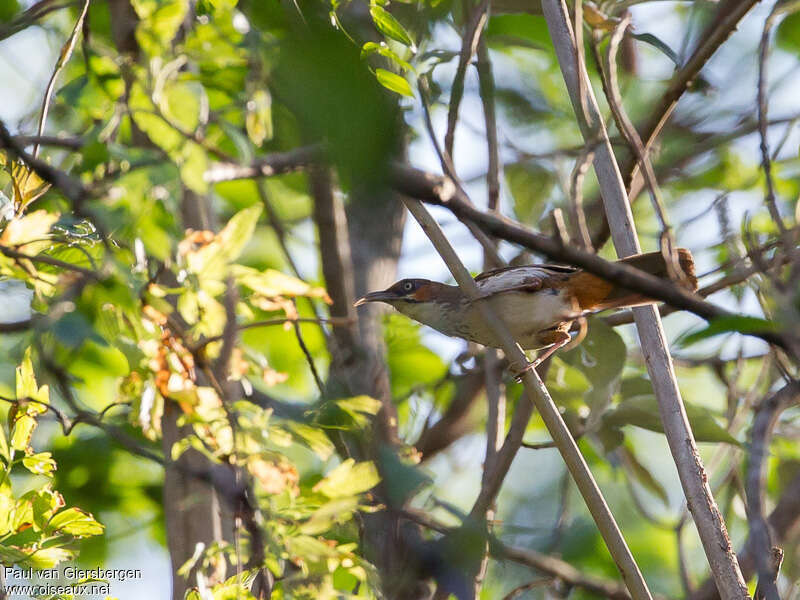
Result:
x=63 y=58
x=782 y=520
x=563 y=571
x=440 y=190
x=469 y=43
x=455 y=422
x=766 y=416
x=729 y=14
x=277 y=163
x=549 y=565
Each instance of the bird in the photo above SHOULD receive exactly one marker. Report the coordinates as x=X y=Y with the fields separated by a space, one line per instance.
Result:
x=538 y=303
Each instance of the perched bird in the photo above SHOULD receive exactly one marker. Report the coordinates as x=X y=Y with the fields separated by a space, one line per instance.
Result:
x=538 y=303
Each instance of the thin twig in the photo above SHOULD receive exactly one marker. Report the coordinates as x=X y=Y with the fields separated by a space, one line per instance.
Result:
x=543 y=563
x=446 y=162
x=525 y=587
x=307 y=353
x=469 y=43
x=63 y=58
x=277 y=163
x=577 y=214
x=780 y=8
x=275 y=322
x=49 y=260
x=495 y=396
x=487 y=93
x=766 y=416
x=783 y=520
x=729 y=14
x=608 y=71
x=72 y=188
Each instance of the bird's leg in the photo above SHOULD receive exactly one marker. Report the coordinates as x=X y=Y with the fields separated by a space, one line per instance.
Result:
x=558 y=339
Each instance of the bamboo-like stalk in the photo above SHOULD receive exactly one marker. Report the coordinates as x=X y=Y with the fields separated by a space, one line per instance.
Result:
x=535 y=394
x=709 y=522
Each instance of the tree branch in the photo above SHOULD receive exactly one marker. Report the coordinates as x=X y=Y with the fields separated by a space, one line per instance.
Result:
x=439 y=190
x=729 y=14
x=784 y=519
x=277 y=163
x=766 y=416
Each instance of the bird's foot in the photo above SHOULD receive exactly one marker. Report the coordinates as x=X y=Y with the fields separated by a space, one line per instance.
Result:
x=529 y=367
x=560 y=339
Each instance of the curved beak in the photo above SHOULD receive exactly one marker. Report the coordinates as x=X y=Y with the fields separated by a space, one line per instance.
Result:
x=382 y=296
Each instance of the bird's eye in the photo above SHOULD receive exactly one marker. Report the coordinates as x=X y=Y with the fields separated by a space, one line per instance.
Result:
x=408 y=286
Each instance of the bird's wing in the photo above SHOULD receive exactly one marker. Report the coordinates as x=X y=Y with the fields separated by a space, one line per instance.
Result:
x=530 y=278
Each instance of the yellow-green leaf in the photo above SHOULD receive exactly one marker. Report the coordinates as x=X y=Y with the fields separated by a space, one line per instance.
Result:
x=22 y=432
x=47 y=558
x=348 y=479
x=389 y=26
x=392 y=81
x=259 y=117
x=33 y=227
x=40 y=464
x=75 y=522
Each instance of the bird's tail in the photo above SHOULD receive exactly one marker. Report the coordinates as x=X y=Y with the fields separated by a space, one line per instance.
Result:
x=595 y=293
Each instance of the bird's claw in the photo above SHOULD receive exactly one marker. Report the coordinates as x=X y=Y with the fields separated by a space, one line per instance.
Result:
x=529 y=367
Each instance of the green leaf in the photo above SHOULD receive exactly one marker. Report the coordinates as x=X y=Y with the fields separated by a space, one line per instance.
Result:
x=649 y=38
x=730 y=324
x=568 y=385
x=25 y=379
x=601 y=358
x=530 y=186
x=47 y=558
x=642 y=411
x=11 y=556
x=193 y=162
x=518 y=30
x=8 y=9
x=395 y=83
x=259 y=117
x=210 y=261
x=389 y=26
x=348 y=479
x=371 y=48
x=788 y=34
x=403 y=480
x=643 y=475
x=314 y=438
x=75 y=522
x=359 y=406
x=411 y=363
x=158 y=23
x=22 y=431
x=272 y=283
x=7 y=504
x=339 y=510
x=40 y=464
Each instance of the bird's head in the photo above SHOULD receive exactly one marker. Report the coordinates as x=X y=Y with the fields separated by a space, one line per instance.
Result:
x=404 y=291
